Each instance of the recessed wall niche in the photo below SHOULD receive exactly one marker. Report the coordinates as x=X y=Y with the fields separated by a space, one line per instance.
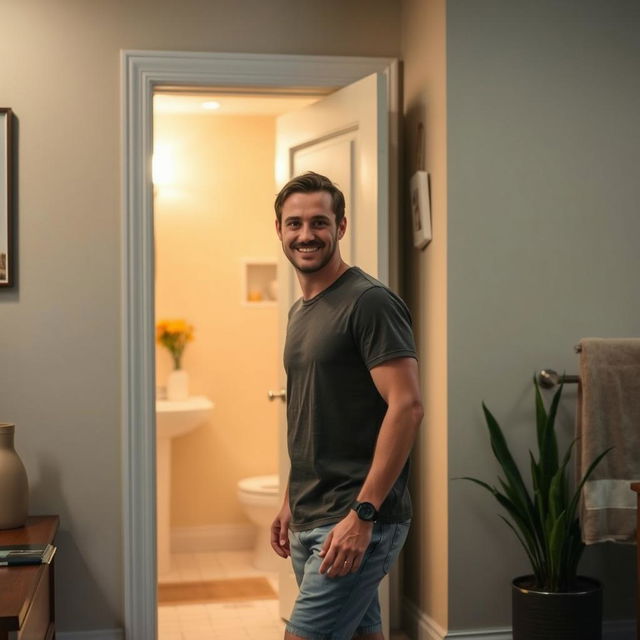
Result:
x=260 y=282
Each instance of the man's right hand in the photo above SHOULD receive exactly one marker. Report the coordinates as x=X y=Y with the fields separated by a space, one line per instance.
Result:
x=280 y=531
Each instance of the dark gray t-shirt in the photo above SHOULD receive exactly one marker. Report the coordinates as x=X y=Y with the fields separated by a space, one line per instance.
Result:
x=334 y=410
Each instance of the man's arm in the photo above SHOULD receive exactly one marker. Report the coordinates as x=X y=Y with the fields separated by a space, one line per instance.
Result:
x=398 y=383
x=280 y=528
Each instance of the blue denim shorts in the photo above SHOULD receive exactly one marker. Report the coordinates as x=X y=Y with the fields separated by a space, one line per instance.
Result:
x=338 y=608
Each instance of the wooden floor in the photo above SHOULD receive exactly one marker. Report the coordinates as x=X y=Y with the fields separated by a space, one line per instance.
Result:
x=230 y=590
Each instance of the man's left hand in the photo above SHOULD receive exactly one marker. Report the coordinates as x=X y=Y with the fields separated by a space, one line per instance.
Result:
x=345 y=546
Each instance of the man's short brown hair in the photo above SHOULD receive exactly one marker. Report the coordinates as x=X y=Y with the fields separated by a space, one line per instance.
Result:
x=311 y=182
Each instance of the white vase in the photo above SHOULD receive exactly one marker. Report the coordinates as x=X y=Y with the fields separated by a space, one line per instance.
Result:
x=178 y=385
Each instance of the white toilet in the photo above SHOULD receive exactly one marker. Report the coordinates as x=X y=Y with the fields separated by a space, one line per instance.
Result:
x=260 y=498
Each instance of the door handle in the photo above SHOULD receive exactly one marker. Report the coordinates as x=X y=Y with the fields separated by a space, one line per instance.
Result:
x=282 y=394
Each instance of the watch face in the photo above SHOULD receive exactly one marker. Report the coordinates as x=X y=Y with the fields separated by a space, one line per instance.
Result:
x=366 y=511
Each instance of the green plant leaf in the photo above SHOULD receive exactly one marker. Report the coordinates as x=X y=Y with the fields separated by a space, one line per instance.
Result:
x=519 y=516
x=552 y=442
x=535 y=472
x=556 y=503
x=544 y=521
x=488 y=487
x=541 y=414
x=557 y=539
x=522 y=523
x=505 y=459
x=529 y=550
x=548 y=446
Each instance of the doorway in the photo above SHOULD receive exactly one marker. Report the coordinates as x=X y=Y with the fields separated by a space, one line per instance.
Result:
x=216 y=256
x=141 y=73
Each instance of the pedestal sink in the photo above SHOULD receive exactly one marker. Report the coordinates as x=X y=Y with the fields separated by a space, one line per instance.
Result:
x=174 y=418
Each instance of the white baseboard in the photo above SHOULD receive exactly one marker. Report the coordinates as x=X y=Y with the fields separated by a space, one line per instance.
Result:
x=218 y=537
x=419 y=626
x=102 y=634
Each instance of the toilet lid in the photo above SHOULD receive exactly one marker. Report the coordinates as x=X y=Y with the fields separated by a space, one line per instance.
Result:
x=263 y=485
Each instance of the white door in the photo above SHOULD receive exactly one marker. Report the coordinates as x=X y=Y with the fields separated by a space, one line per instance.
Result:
x=344 y=136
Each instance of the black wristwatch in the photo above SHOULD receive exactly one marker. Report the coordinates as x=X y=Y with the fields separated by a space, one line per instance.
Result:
x=365 y=510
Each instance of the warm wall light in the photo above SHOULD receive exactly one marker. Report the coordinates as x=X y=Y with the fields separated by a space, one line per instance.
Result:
x=211 y=104
x=163 y=166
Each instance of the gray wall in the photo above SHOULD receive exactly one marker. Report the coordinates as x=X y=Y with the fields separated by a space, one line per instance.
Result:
x=543 y=222
x=543 y=104
x=60 y=327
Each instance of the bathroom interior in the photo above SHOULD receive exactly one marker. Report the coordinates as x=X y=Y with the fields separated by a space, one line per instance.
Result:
x=216 y=261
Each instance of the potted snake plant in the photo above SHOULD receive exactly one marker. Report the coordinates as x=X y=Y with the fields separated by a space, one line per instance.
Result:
x=553 y=602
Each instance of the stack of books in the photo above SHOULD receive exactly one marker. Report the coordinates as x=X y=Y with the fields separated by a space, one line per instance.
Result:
x=19 y=554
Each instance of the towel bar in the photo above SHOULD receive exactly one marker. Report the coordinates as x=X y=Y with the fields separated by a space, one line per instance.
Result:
x=548 y=378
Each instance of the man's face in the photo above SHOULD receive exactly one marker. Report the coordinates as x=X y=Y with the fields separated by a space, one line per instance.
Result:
x=308 y=231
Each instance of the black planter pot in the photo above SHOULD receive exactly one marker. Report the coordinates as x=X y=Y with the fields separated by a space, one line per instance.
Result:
x=539 y=615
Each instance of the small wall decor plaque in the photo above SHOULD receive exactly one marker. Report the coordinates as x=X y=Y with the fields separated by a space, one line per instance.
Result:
x=420 y=209
x=420 y=201
x=6 y=198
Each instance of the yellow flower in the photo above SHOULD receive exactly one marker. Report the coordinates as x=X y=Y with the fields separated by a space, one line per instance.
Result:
x=174 y=335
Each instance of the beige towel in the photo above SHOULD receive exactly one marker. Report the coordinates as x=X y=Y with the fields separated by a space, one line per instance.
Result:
x=609 y=416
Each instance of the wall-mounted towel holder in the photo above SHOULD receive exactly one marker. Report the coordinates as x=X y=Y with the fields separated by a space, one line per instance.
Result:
x=548 y=378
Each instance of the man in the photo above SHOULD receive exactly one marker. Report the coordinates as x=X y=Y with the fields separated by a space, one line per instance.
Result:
x=353 y=411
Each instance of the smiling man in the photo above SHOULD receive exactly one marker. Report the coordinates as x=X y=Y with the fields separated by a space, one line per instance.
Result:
x=353 y=411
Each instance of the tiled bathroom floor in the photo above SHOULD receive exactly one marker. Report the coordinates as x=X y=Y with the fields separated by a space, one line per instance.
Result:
x=240 y=620
x=213 y=565
x=247 y=620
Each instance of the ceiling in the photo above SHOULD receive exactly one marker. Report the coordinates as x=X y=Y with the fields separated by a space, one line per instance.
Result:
x=264 y=104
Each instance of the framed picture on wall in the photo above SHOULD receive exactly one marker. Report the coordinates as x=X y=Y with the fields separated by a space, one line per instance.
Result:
x=420 y=209
x=6 y=199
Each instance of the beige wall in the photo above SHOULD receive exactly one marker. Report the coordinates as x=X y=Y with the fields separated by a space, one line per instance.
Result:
x=424 y=55
x=211 y=217
x=60 y=337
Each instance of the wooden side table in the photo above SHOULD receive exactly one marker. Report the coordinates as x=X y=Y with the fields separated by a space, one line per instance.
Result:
x=636 y=487
x=27 y=609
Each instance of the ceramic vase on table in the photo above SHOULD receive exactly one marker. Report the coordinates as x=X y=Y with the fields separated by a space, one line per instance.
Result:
x=178 y=385
x=14 y=487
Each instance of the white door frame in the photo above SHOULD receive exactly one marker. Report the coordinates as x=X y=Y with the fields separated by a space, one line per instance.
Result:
x=141 y=72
